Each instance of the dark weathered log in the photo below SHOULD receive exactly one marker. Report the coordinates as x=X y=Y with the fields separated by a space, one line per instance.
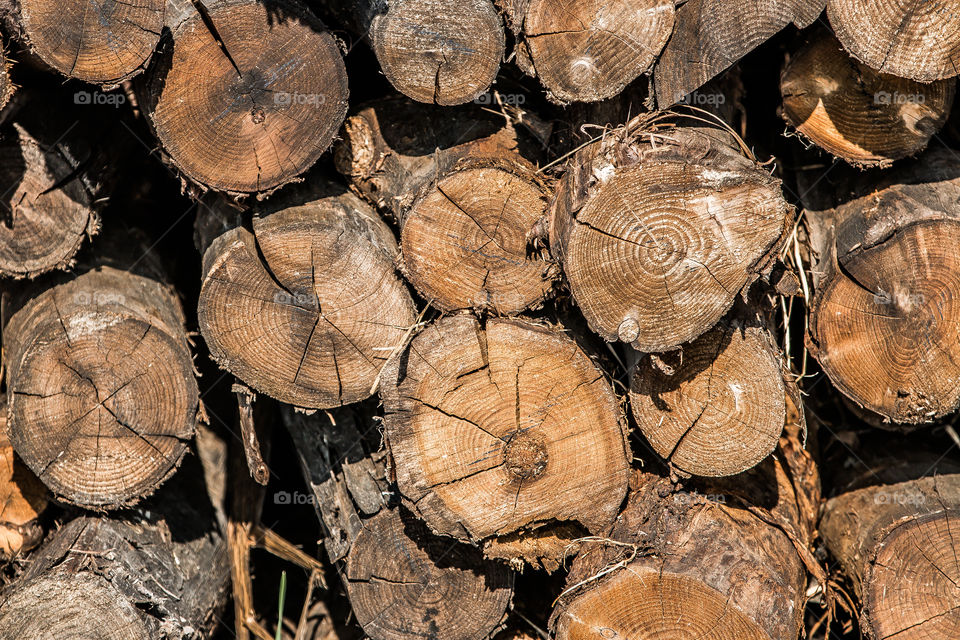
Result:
x=158 y=572
x=235 y=106
x=718 y=407
x=98 y=41
x=884 y=322
x=23 y=499
x=916 y=40
x=7 y=88
x=403 y=581
x=858 y=114
x=307 y=307
x=102 y=394
x=504 y=428
x=891 y=526
x=711 y=35
x=588 y=50
x=709 y=561
x=658 y=232
x=466 y=197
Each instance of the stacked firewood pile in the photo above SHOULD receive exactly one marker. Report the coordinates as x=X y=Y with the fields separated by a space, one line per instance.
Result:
x=606 y=319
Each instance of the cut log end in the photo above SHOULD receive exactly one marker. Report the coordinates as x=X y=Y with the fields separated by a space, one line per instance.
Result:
x=465 y=242
x=23 y=498
x=244 y=112
x=444 y=52
x=101 y=42
x=404 y=581
x=590 y=50
x=853 y=112
x=503 y=428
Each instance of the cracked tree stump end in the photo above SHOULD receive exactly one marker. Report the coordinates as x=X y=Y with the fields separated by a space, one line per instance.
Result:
x=307 y=307
x=467 y=199
x=235 y=105
x=858 y=114
x=659 y=232
x=503 y=428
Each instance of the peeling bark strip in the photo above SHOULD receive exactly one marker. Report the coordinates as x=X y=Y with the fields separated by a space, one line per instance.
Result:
x=466 y=197
x=235 y=105
x=100 y=41
x=588 y=50
x=720 y=407
x=895 y=531
x=23 y=498
x=916 y=40
x=865 y=117
x=404 y=582
x=504 y=428
x=102 y=394
x=884 y=322
x=659 y=232
x=307 y=308
x=711 y=561
x=160 y=572
x=711 y=35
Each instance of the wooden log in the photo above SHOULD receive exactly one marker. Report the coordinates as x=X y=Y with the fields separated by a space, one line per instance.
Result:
x=159 y=572
x=718 y=407
x=467 y=199
x=235 y=106
x=709 y=561
x=307 y=307
x=23 y=499
x=504 y=428
x=891 y=526
x=658 y=232
x=102 y=396
x=711 y=35
x=588 y=50
x=858 y=114
x=101 y=41
x=920 y=41
x=403 y=581
x=7 y=87
x=882 y=321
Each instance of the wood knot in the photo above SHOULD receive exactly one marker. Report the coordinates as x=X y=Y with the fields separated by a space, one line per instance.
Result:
x=258 y=115
x=525 y=455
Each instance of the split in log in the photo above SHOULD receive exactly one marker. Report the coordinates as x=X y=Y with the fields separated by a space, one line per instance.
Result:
x=466 y=198
x=588 y=50
x=23 y=499
x=235 y=106
x=892 y=528
x=716 y=561
x=307 y=308
x=884 y=321
x=102 y=394
x=718 y=407
x=503 y=428
x=658 y=232
x=858 y=114
x=159 y=572
x=403 y=581
x=916 y=40
x=711 y=35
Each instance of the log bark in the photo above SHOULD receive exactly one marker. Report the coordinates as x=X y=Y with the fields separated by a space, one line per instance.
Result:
x=102 y=41
x=920 y=41
x=658 y=232
x=467 y=199
x=718 y=407
x=858 y=114
x=235 y=107
x=403 y=581
x=591 y=50
x=711 y=35
x=891 y=526
x=501 y=429
x=307 y=307
x=7 y=87
x=882 y=322
x=159 y=572
x=23 y=499
x=708 y=561
x=102 y=394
